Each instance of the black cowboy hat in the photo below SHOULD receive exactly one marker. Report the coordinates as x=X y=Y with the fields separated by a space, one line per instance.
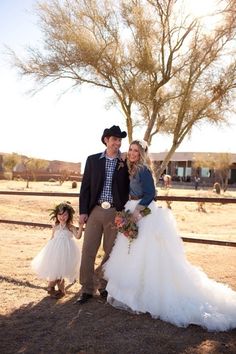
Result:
x=113 y=131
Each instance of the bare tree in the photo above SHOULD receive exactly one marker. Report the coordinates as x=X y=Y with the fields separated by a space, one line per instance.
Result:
x=163 y=69
x=222 y=166
x=10 y=161
x=201 y=89
x=35 y=165
x=32 y=166
x=219 y=164
x=64 y=175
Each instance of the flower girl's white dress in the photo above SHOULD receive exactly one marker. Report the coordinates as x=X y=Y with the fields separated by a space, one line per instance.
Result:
x=59 y=258
x=155 y=277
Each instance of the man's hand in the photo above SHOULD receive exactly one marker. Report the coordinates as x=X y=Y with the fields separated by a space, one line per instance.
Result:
x=83 y=218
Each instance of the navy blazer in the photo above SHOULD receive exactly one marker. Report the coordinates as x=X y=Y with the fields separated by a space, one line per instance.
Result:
x=93 y=181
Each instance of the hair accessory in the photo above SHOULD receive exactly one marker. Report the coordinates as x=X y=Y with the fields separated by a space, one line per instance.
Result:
x=143 y=144
x=61 y=208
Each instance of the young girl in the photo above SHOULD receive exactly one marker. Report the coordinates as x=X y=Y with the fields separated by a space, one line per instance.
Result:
x=60 y=257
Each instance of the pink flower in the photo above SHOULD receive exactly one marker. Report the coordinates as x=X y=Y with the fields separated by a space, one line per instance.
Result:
x=124 y=223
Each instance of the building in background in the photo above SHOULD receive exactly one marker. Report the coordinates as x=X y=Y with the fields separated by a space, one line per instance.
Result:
x=58 y=170
x=181 y=167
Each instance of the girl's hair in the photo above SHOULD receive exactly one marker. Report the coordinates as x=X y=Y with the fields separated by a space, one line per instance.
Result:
x=60 y=209
x=144 y=159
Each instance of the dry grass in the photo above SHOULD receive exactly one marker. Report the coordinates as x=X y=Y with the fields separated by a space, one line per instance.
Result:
x=31 y=322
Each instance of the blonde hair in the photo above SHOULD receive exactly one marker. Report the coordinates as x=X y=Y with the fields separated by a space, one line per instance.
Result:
x=144 y=159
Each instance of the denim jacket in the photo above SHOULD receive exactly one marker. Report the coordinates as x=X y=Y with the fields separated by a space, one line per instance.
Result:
x=142 y=186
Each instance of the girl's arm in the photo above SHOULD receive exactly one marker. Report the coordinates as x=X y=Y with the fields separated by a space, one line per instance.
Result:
x=75 y=231
x=53 y=232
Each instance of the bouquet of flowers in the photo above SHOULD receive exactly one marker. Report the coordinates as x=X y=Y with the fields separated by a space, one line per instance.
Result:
x=124 y=223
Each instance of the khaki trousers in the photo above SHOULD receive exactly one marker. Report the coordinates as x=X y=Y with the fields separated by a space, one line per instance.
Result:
x=100 y=225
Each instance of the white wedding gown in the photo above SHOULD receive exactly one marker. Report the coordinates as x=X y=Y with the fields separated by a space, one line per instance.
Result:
x=59 y=258
x=155 y=277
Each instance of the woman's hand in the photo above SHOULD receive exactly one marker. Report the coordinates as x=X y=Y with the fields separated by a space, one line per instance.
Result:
x=136 y=215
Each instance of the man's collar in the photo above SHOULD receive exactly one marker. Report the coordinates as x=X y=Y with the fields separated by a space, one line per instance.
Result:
x=103 y=154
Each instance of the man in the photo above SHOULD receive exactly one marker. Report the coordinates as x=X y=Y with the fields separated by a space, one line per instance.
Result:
x=196 y=182
x=104 y=190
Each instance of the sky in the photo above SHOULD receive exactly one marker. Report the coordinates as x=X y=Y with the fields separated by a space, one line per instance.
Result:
x=68 y=127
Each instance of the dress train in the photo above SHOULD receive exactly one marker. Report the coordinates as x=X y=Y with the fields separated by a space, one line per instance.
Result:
x=155 y=276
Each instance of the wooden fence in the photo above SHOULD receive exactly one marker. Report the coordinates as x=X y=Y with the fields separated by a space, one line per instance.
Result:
x=159 y=198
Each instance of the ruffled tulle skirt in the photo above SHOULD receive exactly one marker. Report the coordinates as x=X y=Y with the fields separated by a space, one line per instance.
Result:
x=59 y=258
x=154 y=276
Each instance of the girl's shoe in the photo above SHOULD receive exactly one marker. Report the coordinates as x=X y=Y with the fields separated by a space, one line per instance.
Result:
x=58 y=294
x=61 y=286
x=51 y=290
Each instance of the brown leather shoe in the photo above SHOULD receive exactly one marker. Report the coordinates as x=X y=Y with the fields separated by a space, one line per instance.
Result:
x=84 y=297
x=103 y=294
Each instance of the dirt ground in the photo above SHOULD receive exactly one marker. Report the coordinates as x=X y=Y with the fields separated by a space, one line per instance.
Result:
x=31 y=322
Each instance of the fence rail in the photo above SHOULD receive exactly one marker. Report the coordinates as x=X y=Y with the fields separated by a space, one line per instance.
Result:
x=158 y=198
x=220 y=200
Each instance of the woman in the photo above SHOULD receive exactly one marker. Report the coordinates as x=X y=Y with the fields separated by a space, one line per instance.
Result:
x=154 y=276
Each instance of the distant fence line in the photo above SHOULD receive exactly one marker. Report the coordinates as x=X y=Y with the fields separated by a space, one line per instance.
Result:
x=158 y=198
x=220 y=200
x=41 y=176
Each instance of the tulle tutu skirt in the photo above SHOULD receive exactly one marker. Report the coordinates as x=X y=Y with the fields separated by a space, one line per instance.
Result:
x=59 y=258
x=154 y=276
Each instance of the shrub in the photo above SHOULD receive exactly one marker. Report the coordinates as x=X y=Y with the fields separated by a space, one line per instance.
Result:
x=8 y=175
x=52 y=180
x=217 y=188
x=74 y=184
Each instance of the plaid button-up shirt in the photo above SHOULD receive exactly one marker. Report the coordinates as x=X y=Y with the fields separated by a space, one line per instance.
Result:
x=106 y=195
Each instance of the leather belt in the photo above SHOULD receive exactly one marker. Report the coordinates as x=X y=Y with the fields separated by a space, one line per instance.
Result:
x=133 y=197
x=106 y=205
